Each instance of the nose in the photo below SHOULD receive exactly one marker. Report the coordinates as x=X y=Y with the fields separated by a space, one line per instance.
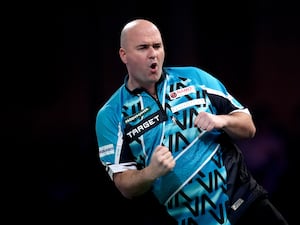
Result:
x=152 y=52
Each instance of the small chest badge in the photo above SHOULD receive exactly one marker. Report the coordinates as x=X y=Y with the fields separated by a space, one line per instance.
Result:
x=181 y=92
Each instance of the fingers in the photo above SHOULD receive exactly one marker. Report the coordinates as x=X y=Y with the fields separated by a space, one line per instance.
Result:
x=164 y=158
x=163 y=153
x=205 y=121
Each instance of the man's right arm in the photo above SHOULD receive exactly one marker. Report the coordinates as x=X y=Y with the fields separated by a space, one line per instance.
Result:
x=133 y=183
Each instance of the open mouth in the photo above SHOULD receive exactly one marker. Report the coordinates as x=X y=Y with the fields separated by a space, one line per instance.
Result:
x=153 y=65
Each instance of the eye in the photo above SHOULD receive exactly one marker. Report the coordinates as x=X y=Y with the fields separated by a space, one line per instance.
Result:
x=141 y=47
x=156 y=46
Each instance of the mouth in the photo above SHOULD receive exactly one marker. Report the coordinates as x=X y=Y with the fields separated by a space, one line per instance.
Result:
x=153 y=65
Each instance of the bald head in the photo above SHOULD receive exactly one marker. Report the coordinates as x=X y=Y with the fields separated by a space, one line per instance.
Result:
x=136 y=27
x=142 y=51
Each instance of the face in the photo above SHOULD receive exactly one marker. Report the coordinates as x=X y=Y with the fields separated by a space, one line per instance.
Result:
x=142 y=51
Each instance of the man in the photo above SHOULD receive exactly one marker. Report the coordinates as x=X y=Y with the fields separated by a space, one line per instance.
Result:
x=170 y=130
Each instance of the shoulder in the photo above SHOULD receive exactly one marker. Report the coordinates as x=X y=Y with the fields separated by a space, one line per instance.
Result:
x=189 y=72
x=180 y=69
x=114 y=103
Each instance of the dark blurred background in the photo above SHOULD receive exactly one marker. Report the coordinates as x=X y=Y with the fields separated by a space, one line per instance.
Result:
x=66 y=64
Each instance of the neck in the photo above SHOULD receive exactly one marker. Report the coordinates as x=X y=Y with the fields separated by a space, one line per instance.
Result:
x=150 y=88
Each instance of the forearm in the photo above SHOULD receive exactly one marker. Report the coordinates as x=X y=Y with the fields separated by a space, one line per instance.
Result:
x=133 y=183
x=239 y=125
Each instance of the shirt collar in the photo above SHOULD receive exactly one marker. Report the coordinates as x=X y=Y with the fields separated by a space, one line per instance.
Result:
x=140 y=90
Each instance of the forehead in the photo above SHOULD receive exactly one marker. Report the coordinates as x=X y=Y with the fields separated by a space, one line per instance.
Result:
x=145 y=35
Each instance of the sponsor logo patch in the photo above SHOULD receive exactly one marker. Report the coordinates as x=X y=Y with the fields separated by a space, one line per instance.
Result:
x=106 y=150
x=181 y=92
x=237 y=204
x=187 y=104
x=133 y=132
x=137 y=115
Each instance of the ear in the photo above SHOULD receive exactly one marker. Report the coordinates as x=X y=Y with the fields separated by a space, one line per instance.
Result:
x=122 y=54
